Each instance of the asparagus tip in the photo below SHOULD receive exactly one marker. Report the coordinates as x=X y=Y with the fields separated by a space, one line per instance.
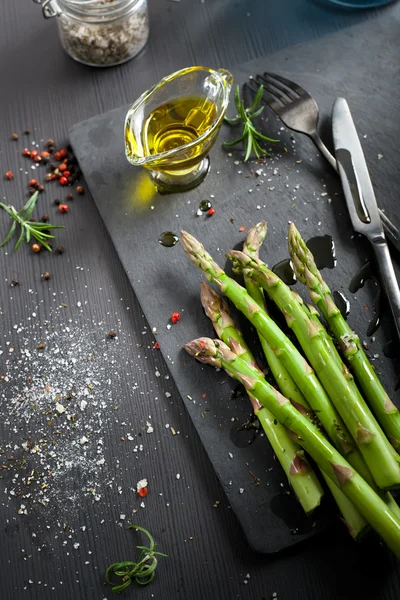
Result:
x=255 y=238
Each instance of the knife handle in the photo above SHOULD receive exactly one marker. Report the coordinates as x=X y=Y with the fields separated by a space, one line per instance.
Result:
x=389 y=280
x=391 y=231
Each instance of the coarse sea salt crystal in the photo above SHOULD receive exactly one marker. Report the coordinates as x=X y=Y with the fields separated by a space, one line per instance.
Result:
x=141 y=484
x=60 y=408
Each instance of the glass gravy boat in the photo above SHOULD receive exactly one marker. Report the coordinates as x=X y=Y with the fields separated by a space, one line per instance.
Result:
x=171 y=128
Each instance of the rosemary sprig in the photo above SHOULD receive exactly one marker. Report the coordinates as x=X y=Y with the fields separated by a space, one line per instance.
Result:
x=142 y=571
x=39 y=231
x=249 y=135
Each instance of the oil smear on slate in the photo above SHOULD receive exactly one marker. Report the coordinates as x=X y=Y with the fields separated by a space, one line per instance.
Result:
x=342 y=303
x=286 y=507
x=358 y=281
x=323 y=250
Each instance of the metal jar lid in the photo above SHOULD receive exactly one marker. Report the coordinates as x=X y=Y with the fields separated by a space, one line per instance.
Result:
x=109 y=11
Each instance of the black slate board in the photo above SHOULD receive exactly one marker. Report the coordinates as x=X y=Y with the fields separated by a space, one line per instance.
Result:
x=361 y=64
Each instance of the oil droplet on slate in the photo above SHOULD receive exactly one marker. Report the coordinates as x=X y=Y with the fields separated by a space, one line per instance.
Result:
x=205 y=205
x=168 y=239
x=342 y=303
x=284 y=270
x=323 y=249
x=357 y=283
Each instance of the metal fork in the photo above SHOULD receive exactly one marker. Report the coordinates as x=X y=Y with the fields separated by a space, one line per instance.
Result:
x=299 y=112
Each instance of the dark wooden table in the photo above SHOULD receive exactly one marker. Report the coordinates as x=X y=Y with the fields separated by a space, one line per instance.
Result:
x=63 y=548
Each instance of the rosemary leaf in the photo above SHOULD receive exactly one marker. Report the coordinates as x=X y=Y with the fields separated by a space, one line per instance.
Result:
x=250 y=134
x=39 y=231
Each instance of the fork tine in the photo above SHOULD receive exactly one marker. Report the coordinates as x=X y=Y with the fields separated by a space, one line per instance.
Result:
x=253 y=86
x=289 y=84
x=273 y=93
x=270 y=81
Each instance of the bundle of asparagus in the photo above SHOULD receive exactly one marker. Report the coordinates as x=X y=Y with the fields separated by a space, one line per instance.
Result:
x=358 y=463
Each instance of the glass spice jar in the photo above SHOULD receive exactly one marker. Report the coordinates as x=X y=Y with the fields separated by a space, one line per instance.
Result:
x=100 y=33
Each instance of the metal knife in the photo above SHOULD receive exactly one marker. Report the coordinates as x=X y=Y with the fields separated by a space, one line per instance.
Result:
x=360 y=198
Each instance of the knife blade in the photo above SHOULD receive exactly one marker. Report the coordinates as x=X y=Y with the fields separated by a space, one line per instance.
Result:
x=360 y=198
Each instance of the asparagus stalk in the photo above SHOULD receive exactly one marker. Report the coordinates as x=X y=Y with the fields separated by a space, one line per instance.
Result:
x=354 y=521
x=307 y=272
x=328 y=459
x=373 y=444
x=290 y=455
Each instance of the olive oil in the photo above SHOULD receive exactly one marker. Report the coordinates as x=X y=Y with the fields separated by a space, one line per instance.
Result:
x=172 y=125
x=168 y=239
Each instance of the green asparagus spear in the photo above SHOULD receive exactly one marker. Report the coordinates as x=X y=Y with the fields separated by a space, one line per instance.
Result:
x=354 y=521
x=328 y=459
x=290 y=455
x=306 y=271
x=379 y=455
x=287 y=386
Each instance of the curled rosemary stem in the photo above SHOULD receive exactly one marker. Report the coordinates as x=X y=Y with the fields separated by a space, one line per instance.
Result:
x=143 y=571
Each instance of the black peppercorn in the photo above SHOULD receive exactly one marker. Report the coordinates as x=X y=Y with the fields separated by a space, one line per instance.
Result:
x=60 y=249
x=57 y=202
x=45 y=218
x=46 y=275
